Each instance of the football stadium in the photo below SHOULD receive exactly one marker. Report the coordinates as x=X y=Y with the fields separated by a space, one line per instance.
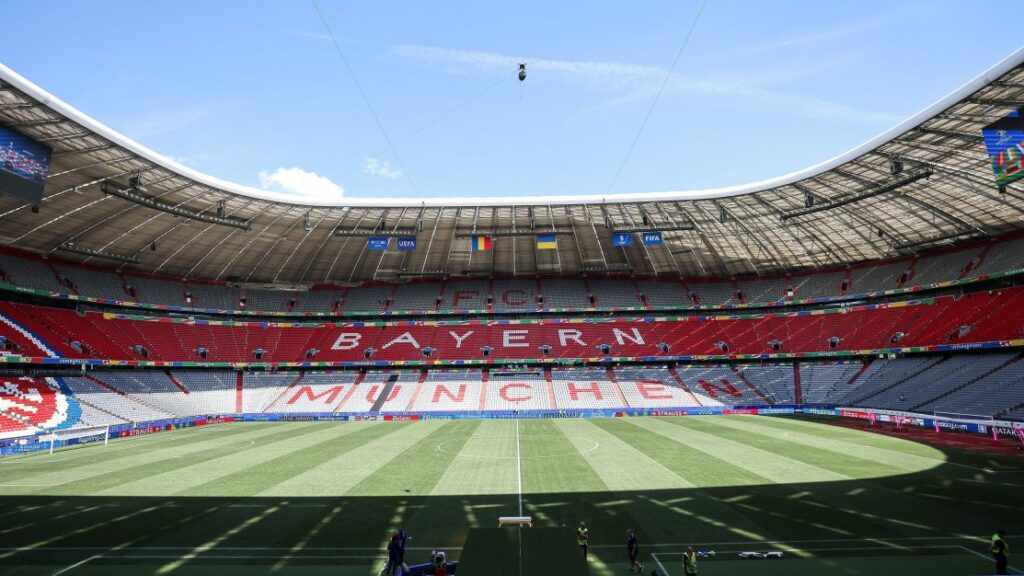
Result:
x=821 y=372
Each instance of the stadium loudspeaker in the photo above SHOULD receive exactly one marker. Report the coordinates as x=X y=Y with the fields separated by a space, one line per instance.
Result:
x=895 y=166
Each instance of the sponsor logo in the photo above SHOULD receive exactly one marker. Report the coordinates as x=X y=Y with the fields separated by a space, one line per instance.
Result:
x=401 y=417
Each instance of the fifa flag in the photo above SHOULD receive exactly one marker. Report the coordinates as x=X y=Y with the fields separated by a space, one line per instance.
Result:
x=481 y=243
x=651 y=238
x=547 y=242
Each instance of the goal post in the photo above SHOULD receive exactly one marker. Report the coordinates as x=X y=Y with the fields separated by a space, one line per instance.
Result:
x=79 y=437
x=938 y=415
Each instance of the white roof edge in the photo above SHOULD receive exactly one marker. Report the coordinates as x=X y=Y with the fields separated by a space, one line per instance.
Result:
x=71 y=113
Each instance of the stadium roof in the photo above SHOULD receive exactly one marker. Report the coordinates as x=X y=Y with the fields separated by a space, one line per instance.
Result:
x=849 y=209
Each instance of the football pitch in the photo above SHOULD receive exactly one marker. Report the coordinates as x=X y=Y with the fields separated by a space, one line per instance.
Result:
x=308 y=498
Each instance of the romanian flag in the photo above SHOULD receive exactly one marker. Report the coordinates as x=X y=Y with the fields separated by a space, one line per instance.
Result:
x=481 y=243
x=546 y=242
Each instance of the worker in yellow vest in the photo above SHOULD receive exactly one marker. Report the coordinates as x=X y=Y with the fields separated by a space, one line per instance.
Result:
x=1000 y=551
x=690 y=562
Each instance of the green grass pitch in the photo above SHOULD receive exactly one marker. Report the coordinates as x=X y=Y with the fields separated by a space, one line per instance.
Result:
x=320 y=498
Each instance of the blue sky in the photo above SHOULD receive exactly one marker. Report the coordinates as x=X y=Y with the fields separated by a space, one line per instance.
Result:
x=254 y=91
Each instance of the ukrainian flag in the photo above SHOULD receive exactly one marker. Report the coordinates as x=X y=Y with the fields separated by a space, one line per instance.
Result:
x=547 y=242
x=481 y=243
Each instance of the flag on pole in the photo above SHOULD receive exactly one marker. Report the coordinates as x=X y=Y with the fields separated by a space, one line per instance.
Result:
x=481 y=243
x=547 y=242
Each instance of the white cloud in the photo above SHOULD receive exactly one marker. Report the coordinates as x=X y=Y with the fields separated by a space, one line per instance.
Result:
x=641 y=82
x=298 y=182
x=378 y=167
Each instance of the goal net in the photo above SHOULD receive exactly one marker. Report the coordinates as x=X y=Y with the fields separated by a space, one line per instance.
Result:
x=962 y=416
x=79 y=437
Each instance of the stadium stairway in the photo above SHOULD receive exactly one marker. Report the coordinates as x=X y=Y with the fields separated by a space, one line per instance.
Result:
x=110 y=388
x=550 y=384
x=679 y=381
x=966 y=383
x=176 y=382
x=27 y=335
x=385 y=394
x=485 y=378
x=240 y=392
x=618 y=389
x=416 y=393
x=753 y=388
x=85 y=402
x=355 y=386
x=285 y=393
x=864 y=367
x=798 y=391
x=860 y=401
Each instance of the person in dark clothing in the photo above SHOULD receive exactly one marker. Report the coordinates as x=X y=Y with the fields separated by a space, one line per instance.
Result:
x=1000 y=551
x=403 y=536
x=394 y=556
x=633 y=548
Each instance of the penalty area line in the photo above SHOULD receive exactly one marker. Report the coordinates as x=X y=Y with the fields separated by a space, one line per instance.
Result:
x=658 y=562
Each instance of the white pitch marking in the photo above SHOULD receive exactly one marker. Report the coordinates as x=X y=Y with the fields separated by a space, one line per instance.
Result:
x=519 y=470
x=980 y=555
x=660 y=565
x=76 y=564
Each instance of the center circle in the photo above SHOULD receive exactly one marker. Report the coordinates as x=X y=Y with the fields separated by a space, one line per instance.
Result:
x=488 y=453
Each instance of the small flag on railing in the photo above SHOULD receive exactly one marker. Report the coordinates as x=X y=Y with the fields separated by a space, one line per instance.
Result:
x=547 y=242
x=481 y=243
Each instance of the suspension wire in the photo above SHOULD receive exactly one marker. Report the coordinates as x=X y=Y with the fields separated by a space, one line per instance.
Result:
x=454 y=109
x=366 y=99
x=661 y=90
x=450 y=111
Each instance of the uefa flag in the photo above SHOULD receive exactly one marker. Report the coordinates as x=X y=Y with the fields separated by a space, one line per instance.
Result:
x=546 y=242
x=481 y=243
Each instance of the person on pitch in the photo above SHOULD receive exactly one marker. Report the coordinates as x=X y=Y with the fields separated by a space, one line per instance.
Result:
x=1000 y=551
x=633 y=548
x=403 y=536
x=394 y=556
x=690 y=562
x=583 y=537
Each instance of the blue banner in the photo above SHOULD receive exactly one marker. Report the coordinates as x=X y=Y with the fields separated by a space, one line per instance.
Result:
x=378 y=243
x=407 y=243
x=652 y=238
x=622 y=239
x=1004 y=141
